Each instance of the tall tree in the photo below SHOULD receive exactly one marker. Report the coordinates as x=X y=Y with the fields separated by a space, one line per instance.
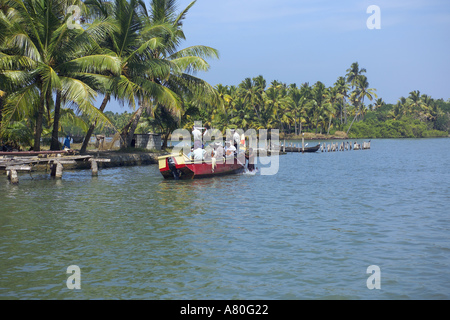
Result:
x=49 y=57
x=342 y=88
x=317 y=104
x=252 y=92
x=361 y=92
x=332 y=99
x=185 y=63
x=134 y=42
x=353 y=74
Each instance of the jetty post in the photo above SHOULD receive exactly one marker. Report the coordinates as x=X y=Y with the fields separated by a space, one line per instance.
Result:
x=94 y=164
x=12 y=176
x=303 y=142
x=11 y=172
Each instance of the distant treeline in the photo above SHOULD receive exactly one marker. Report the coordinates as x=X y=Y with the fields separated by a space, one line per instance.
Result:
x=314 y=109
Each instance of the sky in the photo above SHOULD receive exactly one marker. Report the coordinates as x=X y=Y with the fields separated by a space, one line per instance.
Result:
x=298 y=41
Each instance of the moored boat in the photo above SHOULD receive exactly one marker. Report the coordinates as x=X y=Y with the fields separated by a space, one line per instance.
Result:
x=311 y=149
x=299 y=149
x=179 y=166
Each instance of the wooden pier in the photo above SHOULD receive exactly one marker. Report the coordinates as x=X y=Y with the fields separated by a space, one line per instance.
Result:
x=53 y=162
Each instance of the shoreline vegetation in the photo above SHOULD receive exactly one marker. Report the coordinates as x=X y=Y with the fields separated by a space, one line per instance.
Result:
x=124 y=51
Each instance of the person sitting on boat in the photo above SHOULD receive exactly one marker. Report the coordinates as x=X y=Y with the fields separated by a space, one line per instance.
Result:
x=208 y=152
x=190 y=155
x=199 y=154
x=229 y=149
x=218 y=150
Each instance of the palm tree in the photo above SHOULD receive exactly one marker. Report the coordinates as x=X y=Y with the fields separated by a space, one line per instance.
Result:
x=225 y=97
x=49 y=59
x=415 y=105
x=353 y=74
x=252 y=93
x=398 y=110
x=279 y=103
x=342 y=89
x=299 y=100
x=184 y=63
x=332 y=99
x=319 y=92
x=378 y=104
x=361 y=92
x=364 y=90
x=126 y=44
x=431 y=108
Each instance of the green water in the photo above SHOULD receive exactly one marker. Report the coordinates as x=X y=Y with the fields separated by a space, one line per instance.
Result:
x=308 y=232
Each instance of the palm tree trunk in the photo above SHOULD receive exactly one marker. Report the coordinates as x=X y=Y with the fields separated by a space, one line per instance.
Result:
x=92 y=126
x=1 y=108
x=257 y=114
x=127 y=133
x=356 y=115
x=54 y=145
x=345 y=111
x=39 y=121
x=329 y=125
x=166 y=138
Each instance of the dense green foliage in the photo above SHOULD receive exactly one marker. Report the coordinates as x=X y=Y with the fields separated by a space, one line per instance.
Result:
x=117 y=48
x=51 y=74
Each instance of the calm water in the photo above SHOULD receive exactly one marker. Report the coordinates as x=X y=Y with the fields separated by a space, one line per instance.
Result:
x=308 y=232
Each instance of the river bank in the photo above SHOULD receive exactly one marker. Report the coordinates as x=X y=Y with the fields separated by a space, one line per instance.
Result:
x=42 y=162
x=315 y=136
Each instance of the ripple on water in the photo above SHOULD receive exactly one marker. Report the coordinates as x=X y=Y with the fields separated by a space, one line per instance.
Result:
x=309 y=232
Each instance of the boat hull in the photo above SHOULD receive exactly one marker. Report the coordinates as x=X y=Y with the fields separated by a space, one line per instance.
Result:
x=179 y=167
x=295 y=149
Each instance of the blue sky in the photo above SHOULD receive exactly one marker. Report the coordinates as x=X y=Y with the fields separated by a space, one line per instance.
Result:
x=297 y=41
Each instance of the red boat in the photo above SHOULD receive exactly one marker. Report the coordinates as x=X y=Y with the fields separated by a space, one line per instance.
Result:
x=181 y=167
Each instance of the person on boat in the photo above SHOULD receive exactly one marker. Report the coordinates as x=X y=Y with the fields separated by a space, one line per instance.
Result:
x=190 y=155
x=199 y=154
x=236 y=140
x=218 y=150
x=250 y=156
x=207 y=134
x=197 y=134
x=229 y=149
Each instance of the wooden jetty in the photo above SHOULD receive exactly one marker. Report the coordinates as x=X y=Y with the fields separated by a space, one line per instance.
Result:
x=14 y=162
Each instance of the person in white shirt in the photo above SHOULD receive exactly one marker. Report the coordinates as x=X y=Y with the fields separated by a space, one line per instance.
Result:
x=236 y=139
x=197 y=134
x=199 y=154
x=229 y=149
x=218 y=150
x=207 y=134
